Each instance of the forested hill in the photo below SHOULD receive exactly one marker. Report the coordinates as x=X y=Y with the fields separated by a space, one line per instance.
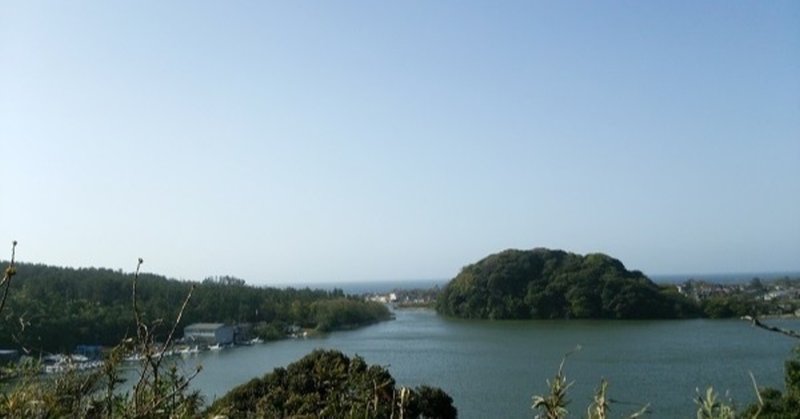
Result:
x=549 y=284
x=54 y=309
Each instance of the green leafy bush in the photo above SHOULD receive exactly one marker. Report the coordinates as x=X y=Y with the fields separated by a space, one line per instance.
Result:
x=330 y=384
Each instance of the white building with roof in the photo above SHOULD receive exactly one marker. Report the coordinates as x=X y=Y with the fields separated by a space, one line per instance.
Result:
x=209 y=333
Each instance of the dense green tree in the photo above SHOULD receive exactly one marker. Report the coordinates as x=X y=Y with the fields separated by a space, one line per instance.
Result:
x=433 y=402
x=331 y=385
x=551 y=284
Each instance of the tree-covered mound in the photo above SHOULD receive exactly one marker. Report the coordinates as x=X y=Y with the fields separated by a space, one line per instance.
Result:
x=328 y=384
x=554 y=284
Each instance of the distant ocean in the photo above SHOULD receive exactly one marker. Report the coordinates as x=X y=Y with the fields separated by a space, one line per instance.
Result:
x=384 y=286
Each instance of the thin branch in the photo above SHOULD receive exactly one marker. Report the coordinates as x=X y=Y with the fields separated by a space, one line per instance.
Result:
x=787 y=332
x=758 y=395
x=136 y=314
x=10 y=271
x=155 y=359
x=152 y=359
x=168 y=342
x=171 y=394
x=143 y=337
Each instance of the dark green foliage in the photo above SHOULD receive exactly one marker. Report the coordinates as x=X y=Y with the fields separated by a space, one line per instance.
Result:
x=54 y=309
x=329 y=384
x=273 y=330
x=551 y=284
x=433 y=402
x=737 y=305
x=344 y=313
x=779 y=405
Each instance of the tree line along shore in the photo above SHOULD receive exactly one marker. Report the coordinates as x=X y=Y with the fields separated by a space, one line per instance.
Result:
x=55 y=309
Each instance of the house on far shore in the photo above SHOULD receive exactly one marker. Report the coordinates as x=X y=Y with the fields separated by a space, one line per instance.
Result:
x=208 y=333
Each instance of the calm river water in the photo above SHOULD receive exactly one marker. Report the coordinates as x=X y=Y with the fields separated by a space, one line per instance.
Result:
x=491 y=369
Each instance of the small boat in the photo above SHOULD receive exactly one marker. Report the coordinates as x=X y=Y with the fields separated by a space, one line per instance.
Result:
x=255 y=340
x=55 y=369
x=59 y=363
x=166 y=353
x=77 y=358
x=133 y=358
x=189 y=350
x=215 y=347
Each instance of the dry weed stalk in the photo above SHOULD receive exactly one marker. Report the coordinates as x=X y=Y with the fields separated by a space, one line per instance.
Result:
x=9 y=273
x=149 y=394
x=554 y=405
x=600 y=406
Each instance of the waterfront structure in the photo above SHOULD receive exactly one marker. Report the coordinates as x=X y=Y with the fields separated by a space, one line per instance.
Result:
x=242 y=332
x=209 y=333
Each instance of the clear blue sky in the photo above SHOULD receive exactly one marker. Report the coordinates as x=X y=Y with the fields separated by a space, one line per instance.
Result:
x=338 y=140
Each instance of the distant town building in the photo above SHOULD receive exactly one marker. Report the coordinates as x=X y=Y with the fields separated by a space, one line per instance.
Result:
x=209 y=333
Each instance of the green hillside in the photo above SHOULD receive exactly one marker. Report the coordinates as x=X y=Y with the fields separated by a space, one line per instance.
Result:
x=554 y=284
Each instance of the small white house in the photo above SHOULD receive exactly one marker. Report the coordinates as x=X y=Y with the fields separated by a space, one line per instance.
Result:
x=209 y=333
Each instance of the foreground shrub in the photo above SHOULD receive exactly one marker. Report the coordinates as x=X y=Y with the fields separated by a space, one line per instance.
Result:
x=331 y=385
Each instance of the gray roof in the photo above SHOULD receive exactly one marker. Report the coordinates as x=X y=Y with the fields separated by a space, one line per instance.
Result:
x=204 y=326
